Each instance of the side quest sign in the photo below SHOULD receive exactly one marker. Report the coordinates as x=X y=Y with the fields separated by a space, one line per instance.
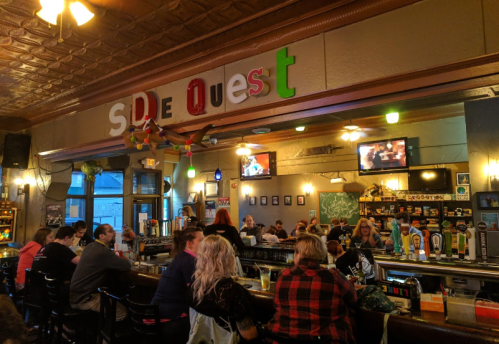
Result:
x=238 y=89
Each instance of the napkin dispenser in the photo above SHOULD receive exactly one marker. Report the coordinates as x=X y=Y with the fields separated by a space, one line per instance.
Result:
x=249 y=240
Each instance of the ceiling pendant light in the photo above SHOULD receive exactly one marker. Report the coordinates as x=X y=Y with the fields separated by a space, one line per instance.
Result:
x=218 y=172
x=345 y=136
x=354 y=136
x=243 y=151
x=191 y=172
x=80 y=12
x=50 y=10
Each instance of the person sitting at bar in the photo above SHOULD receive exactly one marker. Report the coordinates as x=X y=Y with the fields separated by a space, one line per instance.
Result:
x=301 y=223
x=313 y=221
x=189 y=218
x=92 y=272
x=81 y=233
x=244 y=225
x=403 y=218
x=365 y=235
x=345 y=226
x=348 y=261
x=42 y=237
x=128 y=236
x=252 y=229
x=301 y=230
x=214 y=294
x=280 y=232
x=312 y=301
x=173 y=286
x=56 y=258
x=270 y=235
x=336 y=230
x=317 y=230
x=224 y=227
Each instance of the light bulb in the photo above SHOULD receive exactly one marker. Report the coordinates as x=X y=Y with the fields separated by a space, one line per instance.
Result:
x=300 y=128
x=354 y=136
x=50 y=10
x=191 y=172
x=345 y=136
x=80 y=13
x=392 y=117
x=18 y=181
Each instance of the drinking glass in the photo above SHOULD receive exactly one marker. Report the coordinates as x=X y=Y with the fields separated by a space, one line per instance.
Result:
x=357 y=244
x=265 y=279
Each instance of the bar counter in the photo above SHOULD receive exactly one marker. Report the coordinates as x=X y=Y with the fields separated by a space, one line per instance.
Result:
x=410 y=328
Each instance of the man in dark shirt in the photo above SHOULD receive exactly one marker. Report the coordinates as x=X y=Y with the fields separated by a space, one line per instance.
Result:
x=280 y=232
x=96 y=263
x=336 y=230
x=252 y=229
x=56 y=258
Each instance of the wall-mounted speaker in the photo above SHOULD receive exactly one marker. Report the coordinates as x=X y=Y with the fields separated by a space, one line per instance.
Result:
x=16 y=151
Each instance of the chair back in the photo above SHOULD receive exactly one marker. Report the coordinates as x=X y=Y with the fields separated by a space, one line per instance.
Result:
x=148 y=312
x=107 y=315
x=9 y=273
x=53 y=287
x=35 y=290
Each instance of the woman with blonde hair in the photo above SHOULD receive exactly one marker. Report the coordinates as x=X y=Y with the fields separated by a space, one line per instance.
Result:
x=215 y=296
x=365 y=235
x=189 y=218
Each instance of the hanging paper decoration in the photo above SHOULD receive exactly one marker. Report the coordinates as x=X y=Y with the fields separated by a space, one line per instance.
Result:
x=188 y=154
x=176 y=147
x=91 y=168
x=218 y=174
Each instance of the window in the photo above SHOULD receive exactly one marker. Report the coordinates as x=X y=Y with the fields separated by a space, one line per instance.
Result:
x=145 y=183
x=98 y=202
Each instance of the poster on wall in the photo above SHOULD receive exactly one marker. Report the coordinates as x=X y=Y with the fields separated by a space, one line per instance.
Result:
x=224 y=201
x=463 y=193
x=491 y=219
x=54 y=215
x=210 y=211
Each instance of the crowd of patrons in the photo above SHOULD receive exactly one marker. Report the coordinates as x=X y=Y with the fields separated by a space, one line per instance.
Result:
x=199 y=300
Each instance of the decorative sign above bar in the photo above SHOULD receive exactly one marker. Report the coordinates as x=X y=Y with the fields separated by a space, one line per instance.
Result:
x=261 y=79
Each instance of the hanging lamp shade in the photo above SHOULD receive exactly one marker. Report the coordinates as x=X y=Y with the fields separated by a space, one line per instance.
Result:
x=191 y=172
x=218 y=174
x=50 y=10
x=80 y=12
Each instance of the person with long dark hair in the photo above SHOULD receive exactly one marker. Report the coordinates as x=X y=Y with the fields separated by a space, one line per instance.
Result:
x=223 y=226
x=42 y=237
x=173 y=285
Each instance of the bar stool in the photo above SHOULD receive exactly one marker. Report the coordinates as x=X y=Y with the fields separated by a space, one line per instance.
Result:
x=108 y=329
x=62 y=313
x=149 y=312
x=36 y=301
x=9 y=273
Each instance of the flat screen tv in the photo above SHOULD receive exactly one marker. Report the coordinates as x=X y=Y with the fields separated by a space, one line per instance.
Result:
x=382 y=156
x=435 y=179
x=258 y=166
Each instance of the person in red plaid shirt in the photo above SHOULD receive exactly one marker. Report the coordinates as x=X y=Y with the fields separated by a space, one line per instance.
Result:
x=312 y=302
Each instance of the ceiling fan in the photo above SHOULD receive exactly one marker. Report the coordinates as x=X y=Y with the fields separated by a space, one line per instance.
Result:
x=244 y=148
x=352 y=132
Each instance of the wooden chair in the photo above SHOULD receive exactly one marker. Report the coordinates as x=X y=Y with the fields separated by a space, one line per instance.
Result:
x=36 y=301
x=140 y=312
x=9 y=273
x=109 y=330
x=62 y=314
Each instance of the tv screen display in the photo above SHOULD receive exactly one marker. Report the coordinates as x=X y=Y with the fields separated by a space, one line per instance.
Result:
x=426 y=180
x=377 y=156
x=259 y=165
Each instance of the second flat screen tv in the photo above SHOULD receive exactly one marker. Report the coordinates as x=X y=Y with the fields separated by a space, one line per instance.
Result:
x=382 y=156
x=258 y=166
x=435 y=179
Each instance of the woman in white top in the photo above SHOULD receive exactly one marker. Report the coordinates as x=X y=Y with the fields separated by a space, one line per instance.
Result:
x=270 y=235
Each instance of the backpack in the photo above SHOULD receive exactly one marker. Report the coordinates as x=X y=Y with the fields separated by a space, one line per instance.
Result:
x=372 y=298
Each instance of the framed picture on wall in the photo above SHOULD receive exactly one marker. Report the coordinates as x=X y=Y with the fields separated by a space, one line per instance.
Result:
x=300 y=200
x=211 y=189
x=263 y=200
x=275 y=200
x=252 y=200
x=462 y=178
x=287 y=200
x=192 y=198
x=487 y=200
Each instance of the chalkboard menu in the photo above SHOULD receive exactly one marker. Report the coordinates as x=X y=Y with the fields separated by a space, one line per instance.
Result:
x=339 y=204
